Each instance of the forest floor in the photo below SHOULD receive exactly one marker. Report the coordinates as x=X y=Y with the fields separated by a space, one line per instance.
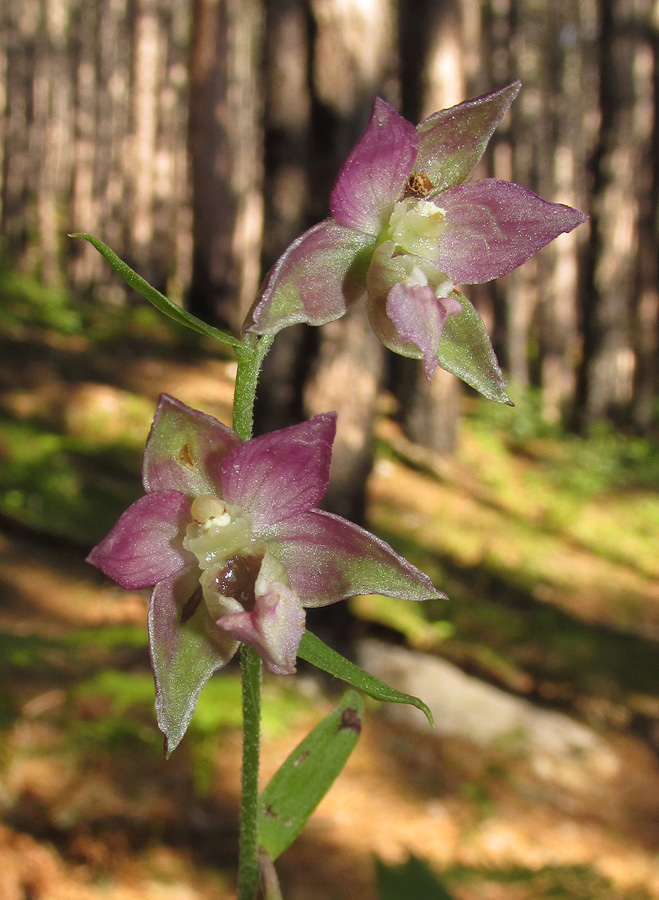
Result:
x=546 y=547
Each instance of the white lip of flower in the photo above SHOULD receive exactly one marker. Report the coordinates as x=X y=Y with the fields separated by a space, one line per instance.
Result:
x=417 y=226
x=418 y=278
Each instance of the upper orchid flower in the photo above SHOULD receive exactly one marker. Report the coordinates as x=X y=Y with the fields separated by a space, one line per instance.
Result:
x=405 y=229
x=229 y=536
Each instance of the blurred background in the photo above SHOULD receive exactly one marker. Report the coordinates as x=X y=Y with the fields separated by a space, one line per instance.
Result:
x=198 y=139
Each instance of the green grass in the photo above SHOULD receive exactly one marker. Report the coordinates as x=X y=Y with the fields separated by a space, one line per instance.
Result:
x=579 y=882
x=62 y=485
x=546 y=546
x=415 y=879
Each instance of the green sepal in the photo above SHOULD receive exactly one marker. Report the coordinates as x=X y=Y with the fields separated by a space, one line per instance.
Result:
x=465 y=350
x=162 y=304
x=314 y=651
x=300 y=784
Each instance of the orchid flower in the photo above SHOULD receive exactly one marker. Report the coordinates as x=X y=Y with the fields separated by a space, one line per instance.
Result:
x=230 y=540
x=406 y=227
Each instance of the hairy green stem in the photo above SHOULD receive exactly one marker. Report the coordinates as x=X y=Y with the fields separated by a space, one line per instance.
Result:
x=248 y=860
x=250 y=354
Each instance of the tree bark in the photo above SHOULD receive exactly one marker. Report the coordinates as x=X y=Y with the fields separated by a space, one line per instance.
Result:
x=644 y=413
x=605 y=376
x=226 y=158
x=288 y=197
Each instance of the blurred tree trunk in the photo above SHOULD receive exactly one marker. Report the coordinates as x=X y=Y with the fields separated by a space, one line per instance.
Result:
x=287 y=197
x=93 y=120
x=605 y=375
x=646 y=331
x=225 y=157
x=506 y=312
x=432 y=77
x=564 y=105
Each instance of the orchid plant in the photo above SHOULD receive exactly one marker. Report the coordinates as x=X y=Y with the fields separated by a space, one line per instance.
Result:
x=228 y=534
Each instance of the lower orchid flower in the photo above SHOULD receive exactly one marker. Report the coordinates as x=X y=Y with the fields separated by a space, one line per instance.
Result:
x=406 y=228
x=230 y=540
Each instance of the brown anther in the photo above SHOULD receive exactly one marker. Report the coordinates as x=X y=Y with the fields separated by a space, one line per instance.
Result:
x=418 y=185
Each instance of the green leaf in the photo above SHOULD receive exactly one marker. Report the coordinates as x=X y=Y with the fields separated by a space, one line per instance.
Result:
x=161 y=303
x=300 y=784
x=411 y=881
x=313 y=650
x=466 y=351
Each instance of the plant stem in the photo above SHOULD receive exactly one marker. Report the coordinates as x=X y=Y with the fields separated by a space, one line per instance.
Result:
x=248 y=860
x=251 y=354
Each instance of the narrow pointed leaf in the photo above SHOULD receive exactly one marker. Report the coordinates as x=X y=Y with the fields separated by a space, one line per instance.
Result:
x=162 y=304
x=313 y=650
x=300 y=784
x=465 y=350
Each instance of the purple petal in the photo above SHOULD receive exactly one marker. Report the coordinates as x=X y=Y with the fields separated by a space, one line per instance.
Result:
x=184 y=654
x=404 y=312
x=492 y=227
x=374 y=175
x=386 y=271
x=419 y=318
x=280 y=474
x=452 y=141
x=144 y=547
x=315 y=281
x=185 y=449
x=274 y=628
x=328 y=558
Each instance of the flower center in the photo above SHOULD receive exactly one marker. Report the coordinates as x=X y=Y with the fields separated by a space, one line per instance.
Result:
x=229 y=555
x=417 y=226
x=218 y=532
x=236 y=580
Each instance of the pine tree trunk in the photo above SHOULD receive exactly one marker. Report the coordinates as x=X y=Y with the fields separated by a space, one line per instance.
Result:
x=605 y=376
x=226 y=158
x=646 y=330
x=288 y=197
x=561 y=174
